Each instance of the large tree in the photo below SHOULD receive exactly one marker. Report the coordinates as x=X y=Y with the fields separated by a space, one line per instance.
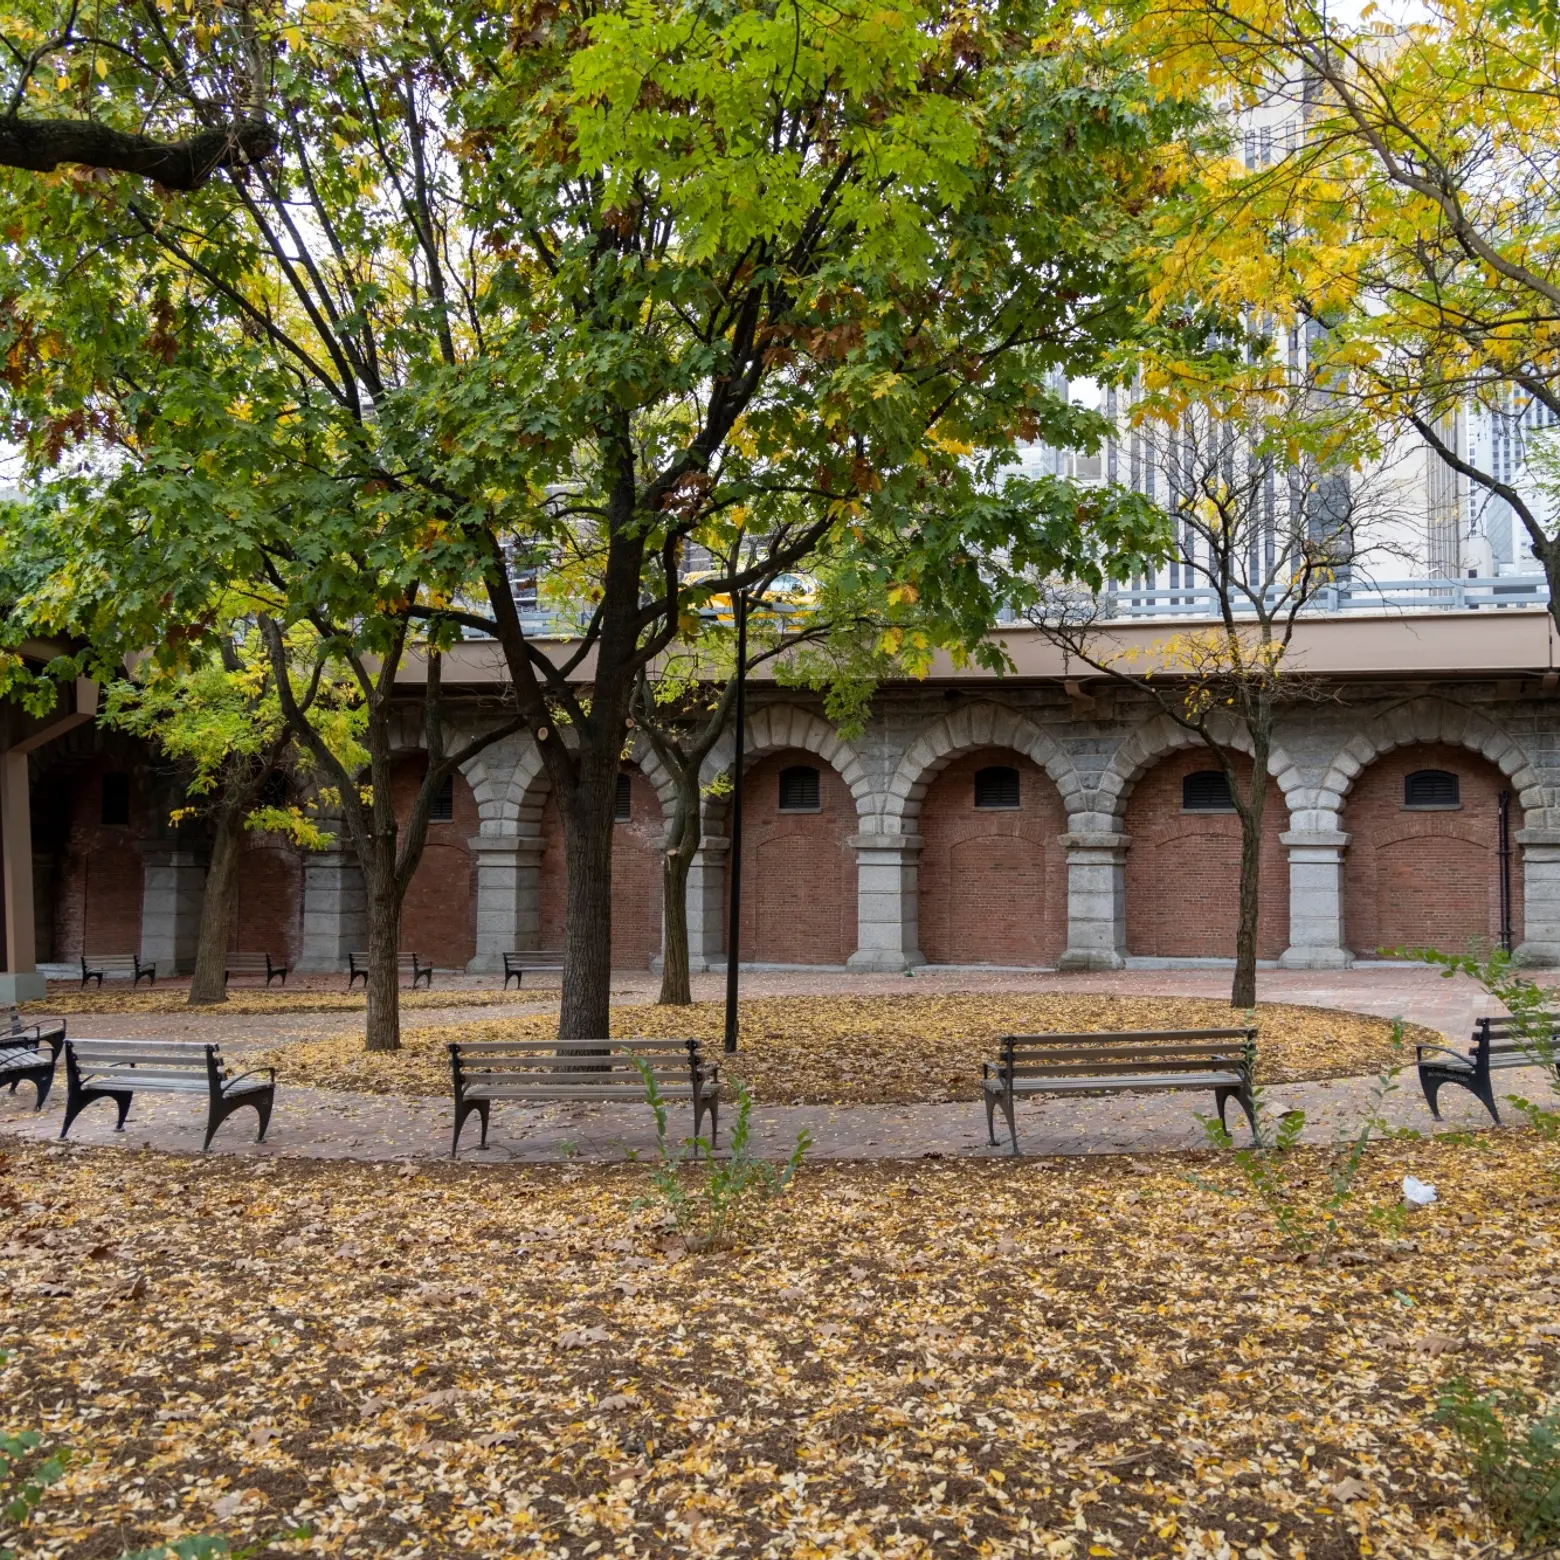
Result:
x=1392 y=197
x=575 y=288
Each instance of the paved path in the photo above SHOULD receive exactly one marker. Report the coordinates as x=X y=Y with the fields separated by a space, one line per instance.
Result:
x=318 y=1123
x=321 y=1124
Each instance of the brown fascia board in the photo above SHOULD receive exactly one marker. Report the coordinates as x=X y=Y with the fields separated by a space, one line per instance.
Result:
x=1500 y=642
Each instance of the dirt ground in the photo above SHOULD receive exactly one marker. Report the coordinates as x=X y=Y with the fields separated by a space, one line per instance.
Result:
x=1053 y=1358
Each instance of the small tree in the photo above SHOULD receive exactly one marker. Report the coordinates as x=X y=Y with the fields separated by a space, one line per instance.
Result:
x=218 y=715
x=1266 y=513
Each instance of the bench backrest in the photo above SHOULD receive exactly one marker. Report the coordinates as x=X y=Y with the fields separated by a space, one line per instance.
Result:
x=253 y=961
x=151 y=1061
x=1127 y=1051
x=534 y=958
x=1501 y=1035
x=125 y=962
x=579 y=1063
x=30 y=1040
x=403 y=961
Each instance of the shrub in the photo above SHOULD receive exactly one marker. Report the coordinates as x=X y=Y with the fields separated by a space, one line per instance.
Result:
x=704 y=1195
x=1514 y=1452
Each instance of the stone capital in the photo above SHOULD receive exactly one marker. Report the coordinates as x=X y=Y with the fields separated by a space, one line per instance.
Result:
x=886 y=842
x=1074 y=842
x=1314 y=839
x=1536 y=836
x=504 y=844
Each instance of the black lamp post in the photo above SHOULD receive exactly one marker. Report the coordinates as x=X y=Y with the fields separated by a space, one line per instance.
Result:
x=734 y=906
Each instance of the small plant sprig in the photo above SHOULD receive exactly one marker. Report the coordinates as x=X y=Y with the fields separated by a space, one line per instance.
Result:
x=1514 y=1458
x=707 y=1196
x=1309 y=1230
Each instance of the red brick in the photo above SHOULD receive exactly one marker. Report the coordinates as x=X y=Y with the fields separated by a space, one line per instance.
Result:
x=97 y=905
x=636 y=877
x=270 y=899
x=1183 y=869
x=798 y=871
x=1426 y=879
x=439 y=913
x=993 y=883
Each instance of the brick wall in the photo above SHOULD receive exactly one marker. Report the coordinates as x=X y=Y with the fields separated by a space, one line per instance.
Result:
x=270 y=899
x=97 y=890
x=1415 y=879
x=636 y=877
x=1183 y=869
x=993 y=883
x=798 y=872
x=439 y=913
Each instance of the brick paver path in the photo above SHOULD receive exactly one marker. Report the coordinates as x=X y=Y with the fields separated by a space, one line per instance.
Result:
x=323 y=1124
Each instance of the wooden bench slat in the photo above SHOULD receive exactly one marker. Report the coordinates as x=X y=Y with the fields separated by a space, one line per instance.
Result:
x=1110 y=1062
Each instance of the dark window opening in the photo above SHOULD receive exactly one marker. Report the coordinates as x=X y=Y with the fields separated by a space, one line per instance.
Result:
x=275 y=790
x=996 y=787
x=1207 y=791
x=443 y=809
x=1432 y=788
x=799 y=789
x=623 y=800
x=116 y=800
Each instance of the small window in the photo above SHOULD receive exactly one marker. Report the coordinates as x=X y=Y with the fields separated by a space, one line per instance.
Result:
x=996 y=787
x=116 y=800
x=799 y=789
x=1431 y=788
x=623 y=800
x=443 y=809
x=1207 y=791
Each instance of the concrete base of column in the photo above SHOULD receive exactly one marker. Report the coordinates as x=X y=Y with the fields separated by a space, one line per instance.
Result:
x=17 y=989
x=1091 y=959
x=887 y=961
x=1303 y=958
x=1537 y=955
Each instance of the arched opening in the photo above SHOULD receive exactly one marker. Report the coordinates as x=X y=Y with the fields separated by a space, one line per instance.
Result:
x=637 y=831
x=1183 y=867
x=439 y=913
x=798 y=868
x=993 y=875
x=100 y=880
x=1423 y=866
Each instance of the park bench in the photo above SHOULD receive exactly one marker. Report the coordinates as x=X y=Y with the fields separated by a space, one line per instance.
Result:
x=581 y=1071
x=255 y=964
x=28 y=1054
x=357 y=969
x=531 y=961
x=1498 y=1043
x=1220 y=1060
x=122 y=966
x=119 y=1069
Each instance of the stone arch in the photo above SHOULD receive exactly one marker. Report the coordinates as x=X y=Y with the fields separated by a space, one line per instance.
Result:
x=1423 y=720
x=781 y=726
x=1156 y=739
x=974 y=726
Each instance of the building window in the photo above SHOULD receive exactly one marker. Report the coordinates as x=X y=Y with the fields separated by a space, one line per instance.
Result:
x=443 y=809
x=623 y=800
x=996 y=786
x=1431 y=789
x=1207 y=791
x=799 y=789
x=116 y=800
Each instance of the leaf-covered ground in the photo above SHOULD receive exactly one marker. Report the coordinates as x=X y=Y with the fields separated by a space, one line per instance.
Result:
x=875 y=1049
x=1082 y=1358
x=243 y=1002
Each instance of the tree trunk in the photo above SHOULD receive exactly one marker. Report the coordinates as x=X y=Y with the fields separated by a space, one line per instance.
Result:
x=586 y=1010
x=383 y=1028
x=1243 y=992
x=219 y=905
x=676 y=987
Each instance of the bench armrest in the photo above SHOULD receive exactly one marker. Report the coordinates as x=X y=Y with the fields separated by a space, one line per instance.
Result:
x=254 y=1072
x=1421 y=1051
